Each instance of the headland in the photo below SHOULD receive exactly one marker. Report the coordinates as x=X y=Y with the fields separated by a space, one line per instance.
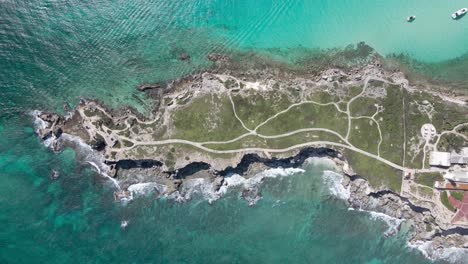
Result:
x=239 y=118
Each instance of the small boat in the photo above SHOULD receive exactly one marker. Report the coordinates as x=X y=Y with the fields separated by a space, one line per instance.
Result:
x=123 y=224
x=410 y=18
x=54 y=175
x=460 y=13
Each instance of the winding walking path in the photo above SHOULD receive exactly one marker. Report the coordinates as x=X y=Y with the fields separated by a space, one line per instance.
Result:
x=345 y=139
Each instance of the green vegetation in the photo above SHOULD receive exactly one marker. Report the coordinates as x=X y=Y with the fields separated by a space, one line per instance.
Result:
x=364 y=134
x=363 y=106
x=445 y=201
x=450 y=142
x=170 y=159
x=256 y=108
x=457 y=195
x=323 y=97
x=428 y=178
x=90 y=112
x=392 y=125
x=246 y=142
x=107 y=121
x=376 y=83
x=428 y=227
x=448 y=116
x=377 y=173
x=306 y=116
x=210 y=117
x=354 y=91
x=425 y=191
x=464 y=130
x=278 y=143
x=230 y=83
x=127 y=143
x=207 y=118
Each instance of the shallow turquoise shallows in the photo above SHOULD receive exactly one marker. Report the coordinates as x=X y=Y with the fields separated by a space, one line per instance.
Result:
x=54 y=52
x=433 y=36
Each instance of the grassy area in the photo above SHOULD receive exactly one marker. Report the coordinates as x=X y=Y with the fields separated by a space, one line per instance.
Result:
x=207 y=118
x=249 y=141
x=256 y=108
x=448 y=116
x=323 y=97
x=457 y=195
x=464 y=130
x=177 y=151
x=377 y=173
x=90 y=112
x=364 y=134
x=445 y=201
x=428 y=178
x=363 y=106
x=375 y=83
x=278 y=143
x=414 y=119
x=306 y=116
x=425 y=192
x=354 y=91
x=450 y=142
x=392 y=125
x=127 y=143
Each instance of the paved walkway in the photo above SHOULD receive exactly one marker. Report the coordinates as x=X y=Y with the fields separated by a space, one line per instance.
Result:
x=461 y=217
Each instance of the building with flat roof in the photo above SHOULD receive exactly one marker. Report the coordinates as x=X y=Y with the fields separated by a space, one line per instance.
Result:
x=446 y=159
x=439 y=159
x=458 y=176
x=456 y=158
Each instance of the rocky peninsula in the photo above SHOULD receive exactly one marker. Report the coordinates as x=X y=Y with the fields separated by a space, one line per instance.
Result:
x=240 y=118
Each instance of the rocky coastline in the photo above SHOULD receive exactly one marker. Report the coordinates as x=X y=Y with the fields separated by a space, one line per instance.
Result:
x=428 y=235
x=135 y=176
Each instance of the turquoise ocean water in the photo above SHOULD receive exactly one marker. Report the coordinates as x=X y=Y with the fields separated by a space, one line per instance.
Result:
x=54 y=52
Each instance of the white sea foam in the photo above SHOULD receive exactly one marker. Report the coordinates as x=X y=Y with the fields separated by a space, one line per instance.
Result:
x=451 y=254
x=84 y=152
x=333 y=181
x=206 y=189
x=392 y=222
x=326 y=163
x=142 y=189
x=87 y=154
x=198 y=186
x=38 y=123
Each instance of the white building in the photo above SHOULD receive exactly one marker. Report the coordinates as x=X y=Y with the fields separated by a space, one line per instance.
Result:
x=459 y=176
x=456 y=158
x=439 y=159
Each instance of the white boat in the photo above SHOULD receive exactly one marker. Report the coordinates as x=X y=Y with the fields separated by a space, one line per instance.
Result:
x=410 y=18
x=460 y=13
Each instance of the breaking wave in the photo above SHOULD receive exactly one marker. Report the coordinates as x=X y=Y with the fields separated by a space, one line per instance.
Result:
x=333 y=181
x=207 y=191
x=452 y=254
x=83 y=151
x=392 y=222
